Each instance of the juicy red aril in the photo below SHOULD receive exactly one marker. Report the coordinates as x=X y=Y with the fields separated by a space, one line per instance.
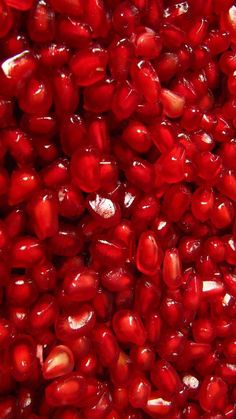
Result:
x=59 y=362
x=117 y=203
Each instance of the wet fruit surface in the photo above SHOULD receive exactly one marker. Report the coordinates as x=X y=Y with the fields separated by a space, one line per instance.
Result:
x=117 y=207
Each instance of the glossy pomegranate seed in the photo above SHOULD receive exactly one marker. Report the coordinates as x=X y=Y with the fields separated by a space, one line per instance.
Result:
x=117 y=204
x=87 y=160
x=22 y=358
x=44 y=212
x=213 y=393
x=146 y=79
x=165 y=377
x=69 y=390
x=75 y=322
x=128 y=327
x=59 y=362
x=89 y=66
x=80 y=285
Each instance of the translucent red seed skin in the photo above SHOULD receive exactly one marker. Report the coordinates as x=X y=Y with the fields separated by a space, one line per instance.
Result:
x=75 y=322
x=149 y=254
x=128 y=327
x=117 y=196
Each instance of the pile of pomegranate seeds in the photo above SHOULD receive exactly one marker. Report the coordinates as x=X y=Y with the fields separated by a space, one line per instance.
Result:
x=117 y=205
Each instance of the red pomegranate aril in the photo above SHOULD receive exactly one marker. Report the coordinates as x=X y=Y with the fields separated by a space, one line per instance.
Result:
x=119 y=60
x=125 y=100
x=85 y=169
x=104 y=210
x=56 y=173
x=172 y=274
x=75 y=322
x=230 y=281
x=103 y=305
x=65 y=93
x=70 y=7
x=121 y=370
x=89 y=66
x=139 y=391
x=136 y=135
x=66 y=413
x=192 y=292
x=70 y=389
x=176 y=201
x=8 y=407
x=88 y=365
x=128 y=327
x=125 y=18
x=21 y=290
x=203 y=330
x=71 y=202
x=43 y=210
x=54 y=55
x=146 y=79
x=106 y=345
x=36 y=97
x=26 y=251
x=6 y=19
x=59 y=362
x=20 y=4
x=202 y=203
x=147 y=296
x=73 y=32
x=173 y=104
x=46 y=149
x=147 y=44
x=117 y=279
x=96 y=16
x=120 y=397
x=99 y=96
x=43 y=312
x=171 y=166
x=19 y=316
x=19 y=145
x=158 y=405
x=149 y=254
x=72 y=133
x=41 y=22
x=117 y=192
x=143 y=357
x=140 y=173
x=213 y=394
x=81 y=285
x=109 y=252
x=15 y=70
x=164 y=377
x=22 y=358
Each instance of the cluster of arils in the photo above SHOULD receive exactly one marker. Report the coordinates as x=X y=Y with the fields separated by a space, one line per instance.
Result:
x=117 y=205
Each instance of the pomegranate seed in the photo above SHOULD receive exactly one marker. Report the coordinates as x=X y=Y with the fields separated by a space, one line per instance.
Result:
x=80 y=285
x=139 y=392
x=117 y=196
x=149 y=254
x=89 y=66
x=146 y=79
x=165 y=377
x=173 y=104
x=75 y=322
x=59 y=362
x=69 y=390
x=213 y=393
x=128 y=327
x=106 y=345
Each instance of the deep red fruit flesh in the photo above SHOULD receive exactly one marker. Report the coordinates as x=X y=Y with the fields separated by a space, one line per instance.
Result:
x=117 y=206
